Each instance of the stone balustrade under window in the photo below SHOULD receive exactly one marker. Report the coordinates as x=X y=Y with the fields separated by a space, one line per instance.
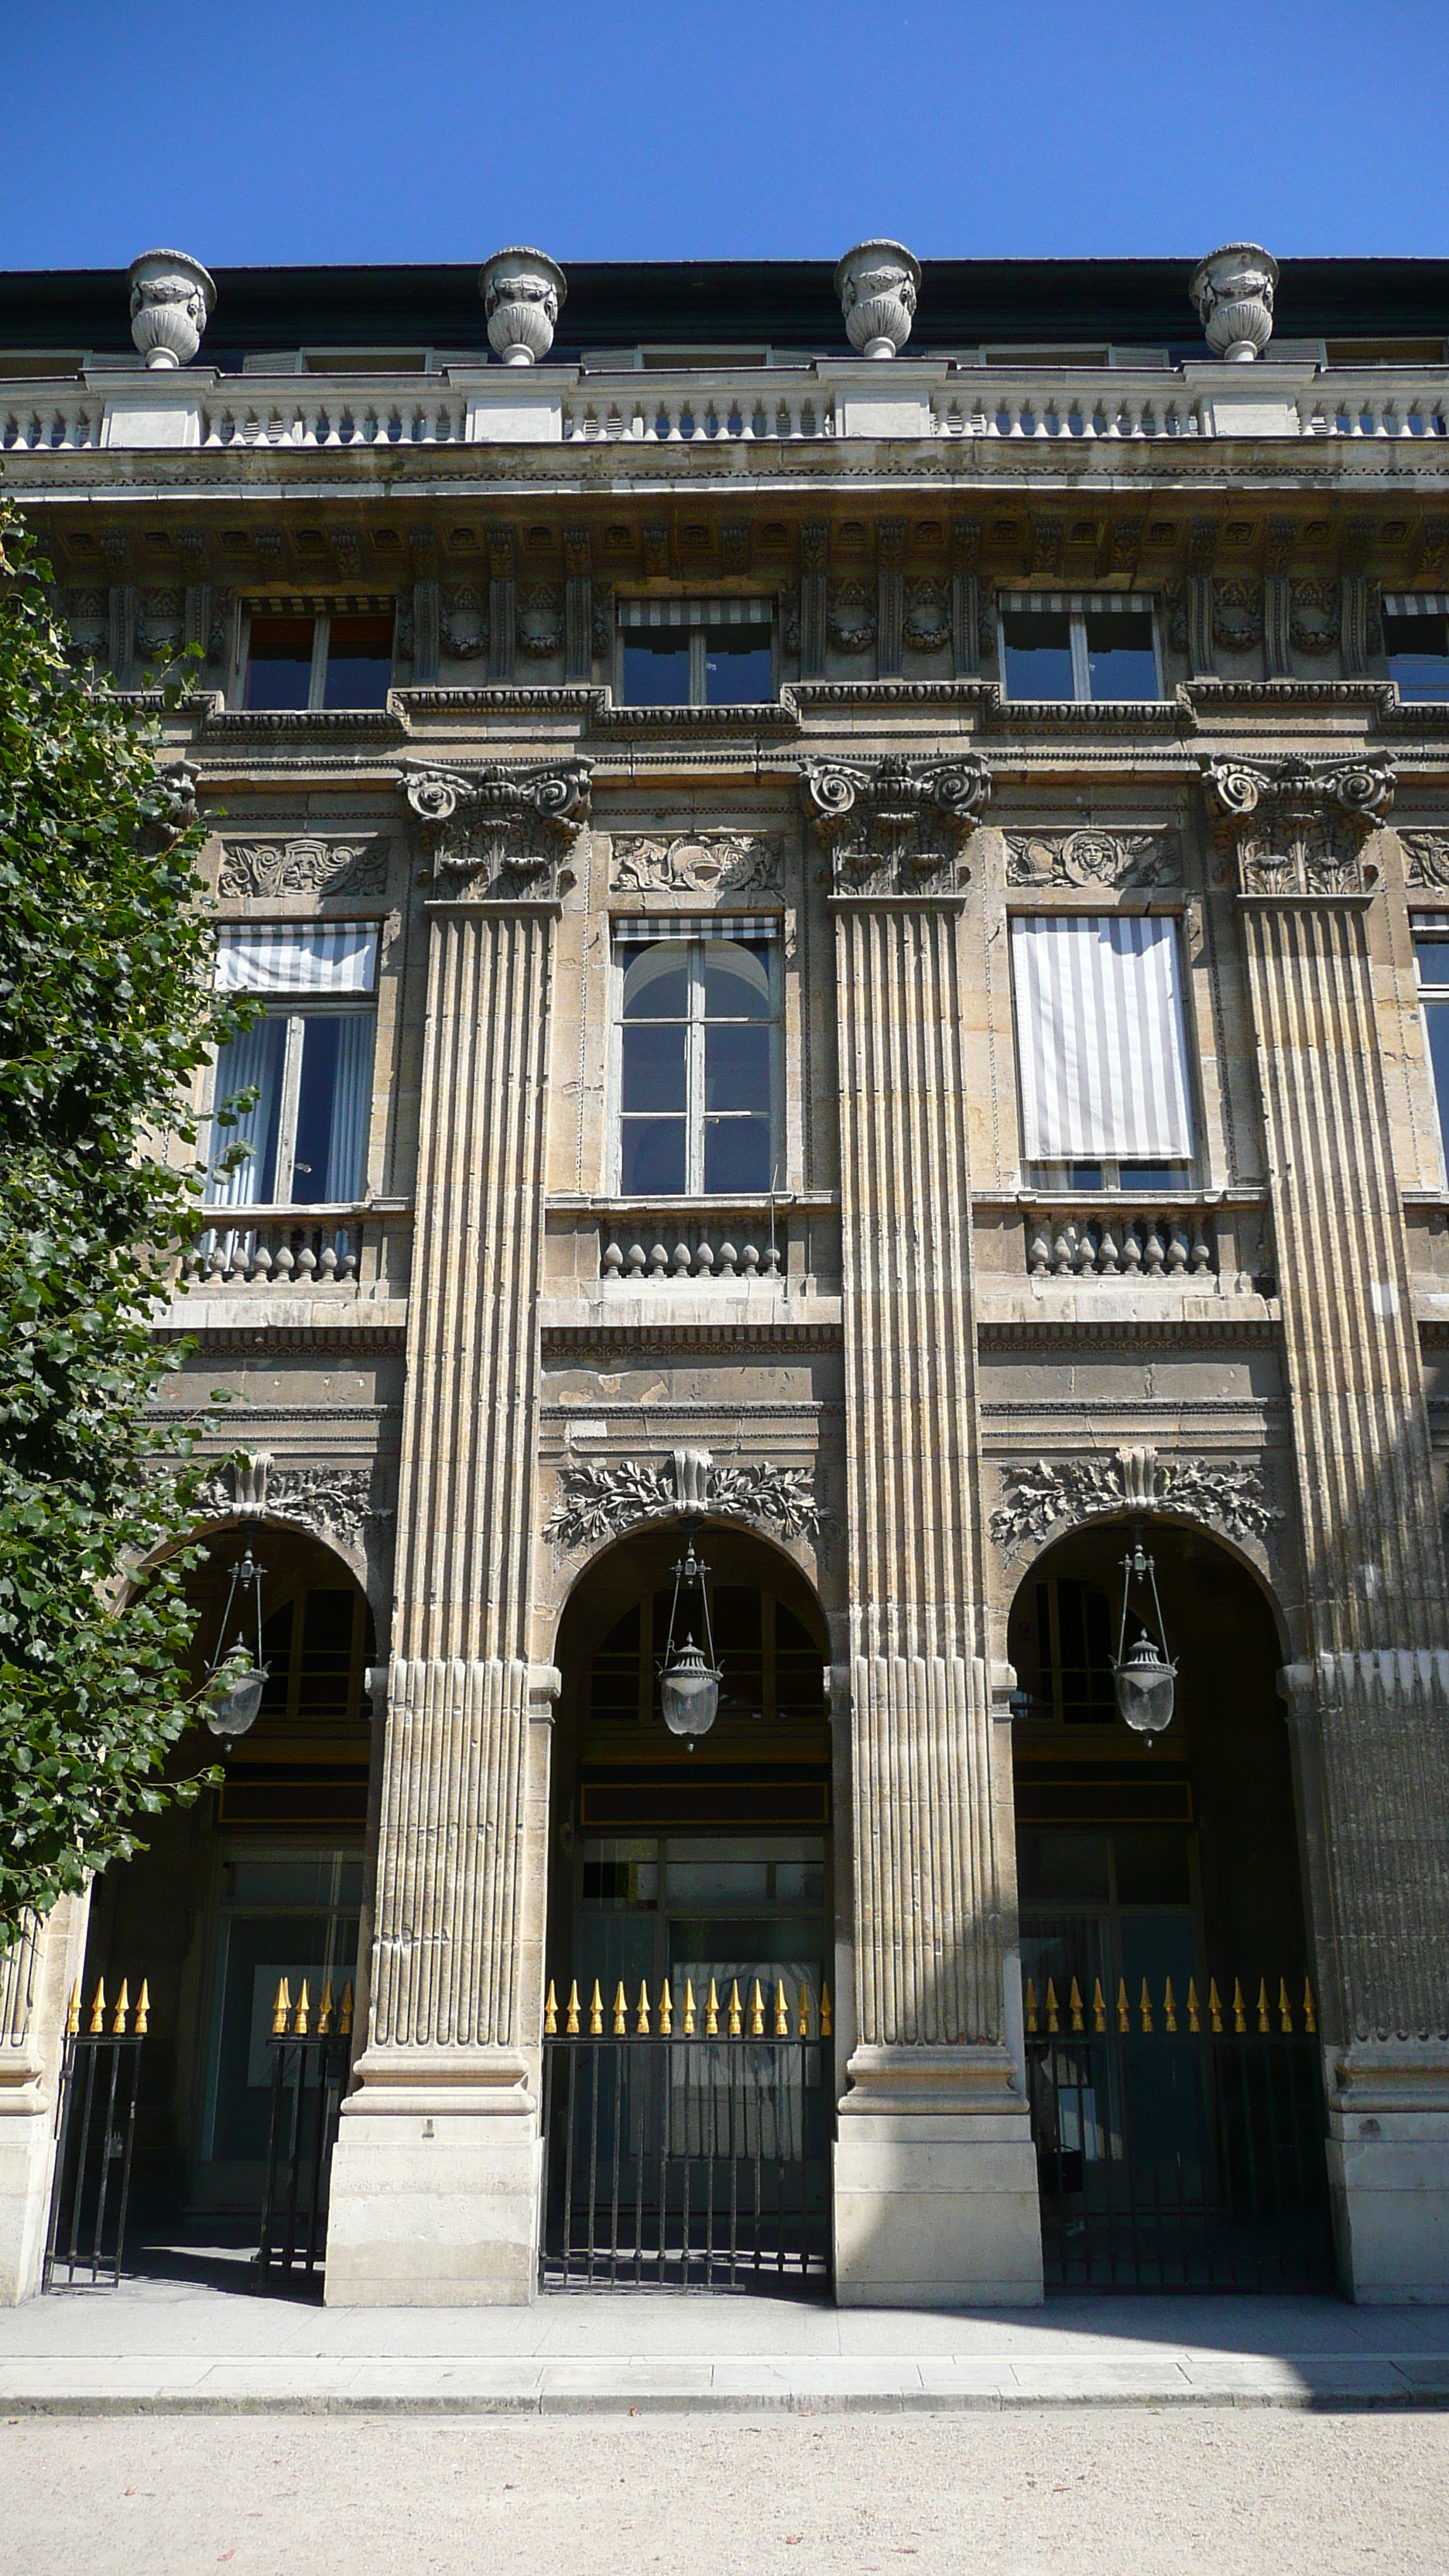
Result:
x=349 y=1253
x=650 y=1253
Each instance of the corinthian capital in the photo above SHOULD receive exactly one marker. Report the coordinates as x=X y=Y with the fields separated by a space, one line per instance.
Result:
x=895 y=826
x=501 y=831
x=1298 y=827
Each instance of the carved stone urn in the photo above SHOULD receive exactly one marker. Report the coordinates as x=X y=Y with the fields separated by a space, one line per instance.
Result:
x=1233 y=291
x=523 y=293
x=878 y=283
x=172 y=298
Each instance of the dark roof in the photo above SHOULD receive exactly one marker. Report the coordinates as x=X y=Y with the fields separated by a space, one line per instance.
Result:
x=784 y=304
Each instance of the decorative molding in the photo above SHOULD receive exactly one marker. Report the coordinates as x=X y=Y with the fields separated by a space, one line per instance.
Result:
x=463 y=621
x=1298 y=827
x=1040 y=1495
x=1237 y=616
x=541 y=619
x=598 y=1502
x=307 y=864
x=895 y=826
x=513 y=828
x=1314 y=616
x=335 y=1503
x=707 y=863
x=926 y=624
x=1426 y=857
x=850 y=616
x=1089 y=856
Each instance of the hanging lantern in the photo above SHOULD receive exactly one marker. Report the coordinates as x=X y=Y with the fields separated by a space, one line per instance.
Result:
x=1145 y=1679
x=244 y=1674
x=689 y=1678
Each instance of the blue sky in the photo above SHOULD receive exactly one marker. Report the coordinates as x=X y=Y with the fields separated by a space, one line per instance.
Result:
x=301 y=130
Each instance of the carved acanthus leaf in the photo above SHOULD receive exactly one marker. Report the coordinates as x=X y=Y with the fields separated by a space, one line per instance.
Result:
x=1298 y=827
x=707 y=863
x=1090 y=856
x=1039 y=1495
x=307 y=864
x=598 y=1502
x=334 y=1502
x=895 y=826
x=513 y=828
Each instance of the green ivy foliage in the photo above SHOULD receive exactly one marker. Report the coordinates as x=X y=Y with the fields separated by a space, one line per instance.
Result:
x=106 y=1010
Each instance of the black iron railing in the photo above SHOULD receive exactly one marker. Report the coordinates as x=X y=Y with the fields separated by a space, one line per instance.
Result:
x=95 y=2121
x=690 y=2155
x=309 y=2078
x=1179 y=2146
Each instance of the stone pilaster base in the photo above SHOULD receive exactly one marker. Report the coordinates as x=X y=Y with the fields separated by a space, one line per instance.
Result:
x=935 y=2183
x=435 y=2181
x=1388 y=2173
x=36 y=1977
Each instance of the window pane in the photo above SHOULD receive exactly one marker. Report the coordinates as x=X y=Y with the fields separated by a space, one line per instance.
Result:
x=252 y=1061
x=736 y=980
x=1433 y=958
x=359 y=662
x=334 y=1098
x=656 y=669
x=1038 y=653
x=737 y=1068
x=653 y=1157
x=737 y=1155
x=1153 y=1176
x=653 y=1068
x=1120 y=660
x=279 y=663
x=656 y=981
x=737 y=669
x=1436 y=1020
x=1418 y=655
x=1086 y=1176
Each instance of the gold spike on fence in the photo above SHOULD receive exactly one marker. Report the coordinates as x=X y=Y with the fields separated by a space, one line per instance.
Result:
x=571 y=2012
x=757 y=2012
x=98 y=2008
x=1030 y=2009
x=344 y=2018
x=1099 y=2005
x=1240 y=2016
x=782 y=2012
x=550 y=2013
x=826 y=2028
x=1169 y=2008
x=118 y=2017
x=303 y=2012
x=641 y=2021
x=1214 y=2006
x=621 y=2010
x=688 y=2009
x=142 y=2022
x=596 y=2013
x=1075 y=2001
x=1263 y=2021
x=1124 y=2013
x=1053 y=2023
x=1145 y=2007
x=324 y=2011
x=1310 y=2018
x=1194 y=2021
x=736 y=2022
x=711 y=2012
x=281 y=2007
x=72 y=2017
x=666 y=2011
x=803 y=2031
x=1285 y=2009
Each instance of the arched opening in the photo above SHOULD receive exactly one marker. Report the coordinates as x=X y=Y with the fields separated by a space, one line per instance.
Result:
x=1170 y=2020
x=262 y=1878
x=681 y=1872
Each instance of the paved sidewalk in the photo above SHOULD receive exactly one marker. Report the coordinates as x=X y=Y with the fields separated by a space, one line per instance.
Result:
x=202 y=2341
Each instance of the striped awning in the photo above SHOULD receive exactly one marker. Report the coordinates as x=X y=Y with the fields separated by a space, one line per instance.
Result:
x=297 y=957
x=1101 y=1041
x=1416 y=603
x=632 y=927
x=1082 y=603
x=695 y=612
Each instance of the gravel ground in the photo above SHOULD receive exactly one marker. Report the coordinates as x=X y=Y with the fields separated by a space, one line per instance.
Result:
x=1120 y=2492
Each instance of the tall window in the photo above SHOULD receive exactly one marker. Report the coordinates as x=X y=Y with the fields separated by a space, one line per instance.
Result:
x=1078 y=649
x=1416 y=642
x=697 y=1059
x=1101 y=1042
x=700 y=652
x=307 y=1059
x=1431 y=955
x=334 y=660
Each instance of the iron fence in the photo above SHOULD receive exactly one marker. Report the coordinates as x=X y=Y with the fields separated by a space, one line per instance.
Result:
x=95 y=2121
x=687 y=2158
x=1179 y=2148
x=309 y=2078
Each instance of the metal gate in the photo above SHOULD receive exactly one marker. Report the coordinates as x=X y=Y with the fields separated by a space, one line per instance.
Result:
x=1179 y=2146
x=95 y=2124
x=693 y=2152
x=309 y=2078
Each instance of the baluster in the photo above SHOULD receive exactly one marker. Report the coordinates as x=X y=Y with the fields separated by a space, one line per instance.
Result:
x=704 y=1262
x=750 y=1261
x=327 y=1265
x=1132 y=1250
x=347 y=1263
x=638 y=1260
x=1062 y=1248
x=1176 y=1248
x=782 y=419
x=261 y=1260
x=307 y=1263
x=658 y=1262
x=1202 y=1258
x=216 y=1266
x=1152 y=1250
x=681 y=1260
x=770 y=1261
x=283 y=1263
x=1107 y=1252
x=728 y=1257
x=612 y=1265
x=1038 y=1247
x=1086 y=1252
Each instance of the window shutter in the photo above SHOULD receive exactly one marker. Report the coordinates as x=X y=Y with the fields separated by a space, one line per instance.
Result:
x=1101 y=1041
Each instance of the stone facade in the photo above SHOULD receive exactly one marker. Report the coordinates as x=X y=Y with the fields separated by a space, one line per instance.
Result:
x=912 y=1363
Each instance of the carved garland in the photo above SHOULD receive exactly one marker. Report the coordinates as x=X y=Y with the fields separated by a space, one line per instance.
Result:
x=306 y=865
x=333 y=1502
x=1090 y=857
x=598 y=1502
x=1206 y=1489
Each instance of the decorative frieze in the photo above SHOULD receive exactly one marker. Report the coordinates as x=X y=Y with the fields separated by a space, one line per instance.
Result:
x=1314 y=616
x=1298 y=827
x=926 y=625
x=308 y=863
x=503 y=832
x=1228 y=1494
x=335 y=1503
x=1426 y=858
x=895 y=826
x=850 y=616
x=700 y=863
x=1237 y=615
x=1092 y=856
x=599 y=1502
